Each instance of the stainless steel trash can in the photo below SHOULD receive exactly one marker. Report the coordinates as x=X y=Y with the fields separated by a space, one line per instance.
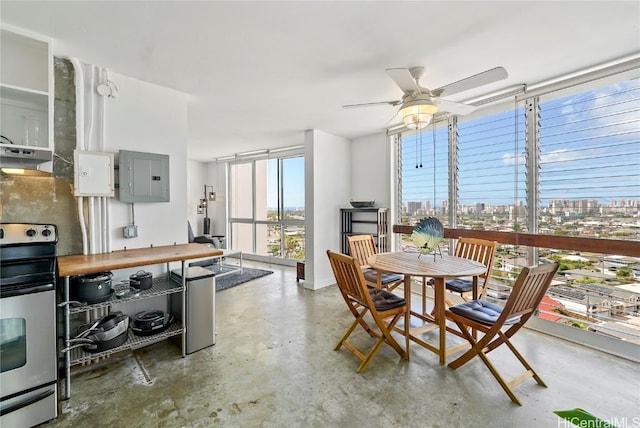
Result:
x=200 y=318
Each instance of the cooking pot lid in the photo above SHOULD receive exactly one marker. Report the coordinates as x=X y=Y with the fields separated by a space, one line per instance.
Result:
x=149 y=315
x=94 y=277
x=141 y=274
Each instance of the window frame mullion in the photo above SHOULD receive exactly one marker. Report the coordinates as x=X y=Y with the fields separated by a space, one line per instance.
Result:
x=397 y=140
x=453 y=174
x=532 y=143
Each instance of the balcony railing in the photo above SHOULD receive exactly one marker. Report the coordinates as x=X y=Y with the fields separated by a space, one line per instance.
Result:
x=589 y=311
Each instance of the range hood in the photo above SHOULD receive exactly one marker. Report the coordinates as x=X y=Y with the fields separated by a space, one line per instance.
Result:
x=25 y=157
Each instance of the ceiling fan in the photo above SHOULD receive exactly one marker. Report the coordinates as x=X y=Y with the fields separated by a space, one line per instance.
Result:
x=419 y=104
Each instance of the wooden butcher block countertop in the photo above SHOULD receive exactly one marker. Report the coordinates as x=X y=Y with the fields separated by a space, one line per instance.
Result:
x=83 y=264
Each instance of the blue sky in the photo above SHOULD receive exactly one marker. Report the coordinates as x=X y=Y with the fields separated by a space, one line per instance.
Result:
x=293 y=179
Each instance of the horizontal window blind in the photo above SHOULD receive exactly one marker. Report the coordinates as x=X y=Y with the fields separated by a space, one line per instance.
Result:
x=425 y=175
x=492 y=172
x=590 y=153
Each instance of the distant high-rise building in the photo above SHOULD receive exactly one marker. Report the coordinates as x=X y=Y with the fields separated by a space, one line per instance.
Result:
x=413 y=207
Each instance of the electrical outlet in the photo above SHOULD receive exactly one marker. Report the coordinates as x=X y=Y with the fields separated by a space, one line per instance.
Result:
x=130 y=231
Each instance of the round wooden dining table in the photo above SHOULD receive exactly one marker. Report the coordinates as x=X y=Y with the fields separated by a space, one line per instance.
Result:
x=440 y=268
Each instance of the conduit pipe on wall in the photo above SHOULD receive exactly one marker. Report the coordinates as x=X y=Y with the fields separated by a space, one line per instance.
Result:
x=106 y=237
x=103 y=207
x=95 y=229
x=79 y=82
x=93 y=223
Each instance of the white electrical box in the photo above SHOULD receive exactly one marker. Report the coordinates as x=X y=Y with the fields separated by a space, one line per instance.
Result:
x=130 y=231
x=93 y=173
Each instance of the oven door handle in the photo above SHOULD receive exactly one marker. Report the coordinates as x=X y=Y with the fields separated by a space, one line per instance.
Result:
x=20 y=290
x=29 y=401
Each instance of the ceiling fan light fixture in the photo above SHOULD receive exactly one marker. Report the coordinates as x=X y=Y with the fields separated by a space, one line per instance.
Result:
x=417 y=121
x=417 y=113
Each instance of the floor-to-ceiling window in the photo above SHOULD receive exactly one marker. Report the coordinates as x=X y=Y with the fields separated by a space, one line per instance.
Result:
x=266 y=207
x=561 y=160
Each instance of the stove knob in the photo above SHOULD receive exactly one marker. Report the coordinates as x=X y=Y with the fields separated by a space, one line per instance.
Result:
x=46 y=232
x=31 y=232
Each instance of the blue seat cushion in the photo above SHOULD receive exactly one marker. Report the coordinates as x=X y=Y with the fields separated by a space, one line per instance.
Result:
x=371 y=275
x=481 y=311
x=383 y=300
x=460 y=285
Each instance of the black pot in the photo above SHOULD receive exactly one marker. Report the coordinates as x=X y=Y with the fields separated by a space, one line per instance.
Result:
x=141 y=280
x=91 y=288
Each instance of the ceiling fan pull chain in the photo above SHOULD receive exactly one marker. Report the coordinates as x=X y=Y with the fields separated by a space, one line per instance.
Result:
x=417 y=153
x=433 y=126
x=421 y=148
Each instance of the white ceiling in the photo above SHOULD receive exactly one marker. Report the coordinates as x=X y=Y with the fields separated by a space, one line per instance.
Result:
x=262 y=72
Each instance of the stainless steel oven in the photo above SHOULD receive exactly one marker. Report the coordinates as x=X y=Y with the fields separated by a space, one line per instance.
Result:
x=28 y=362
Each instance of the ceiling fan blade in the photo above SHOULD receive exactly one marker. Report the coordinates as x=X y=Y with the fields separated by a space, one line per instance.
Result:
x=378 y=103
x=395 y=116
x=404 y=80
x=455 y=108
x=480 y=79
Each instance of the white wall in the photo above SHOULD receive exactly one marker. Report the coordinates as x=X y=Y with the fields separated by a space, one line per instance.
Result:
x=149 y=118
x=327 y=189
x=217 y=175
x=374 y=175
x=214 y=175
x=196 y=179
x=370 y=169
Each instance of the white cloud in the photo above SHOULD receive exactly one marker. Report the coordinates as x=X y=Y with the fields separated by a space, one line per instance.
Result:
x=556 y=156
x=510 y=159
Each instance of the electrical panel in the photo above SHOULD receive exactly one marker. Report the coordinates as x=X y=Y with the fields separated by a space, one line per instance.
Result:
x=93 y=173
x=144 y=177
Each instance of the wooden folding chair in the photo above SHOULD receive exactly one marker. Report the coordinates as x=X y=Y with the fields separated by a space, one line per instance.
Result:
x=481 y=251
x=381 y=304
x=489 y=319
x=361 y=247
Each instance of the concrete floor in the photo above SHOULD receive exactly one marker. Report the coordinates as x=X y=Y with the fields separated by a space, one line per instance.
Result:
x=274 y=366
